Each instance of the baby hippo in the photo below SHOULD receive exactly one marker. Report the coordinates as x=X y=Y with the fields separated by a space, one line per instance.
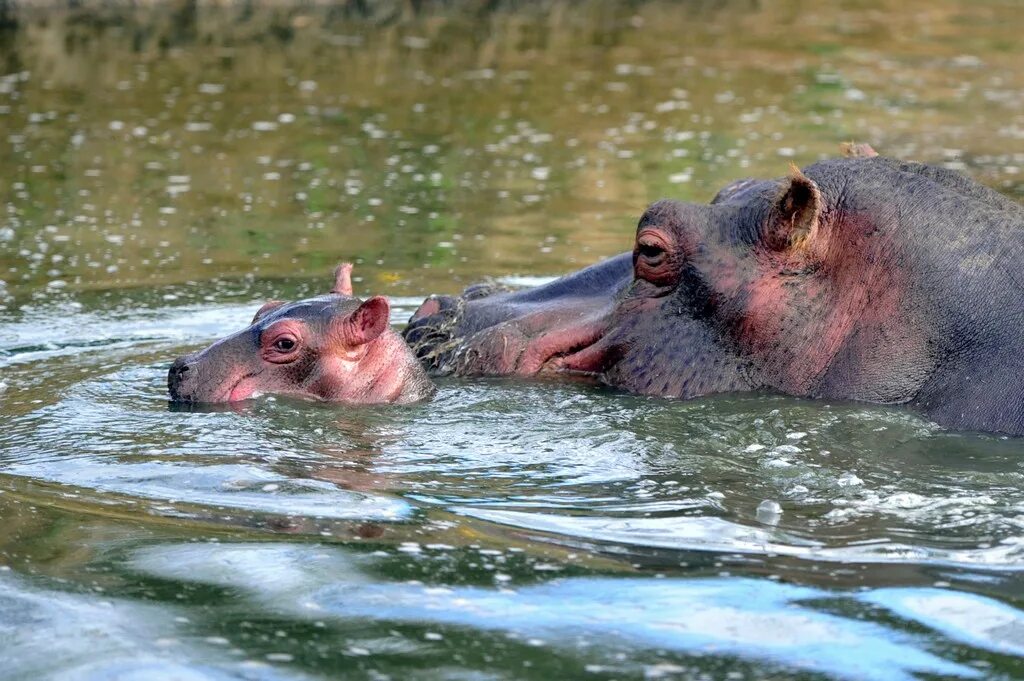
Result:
x=332 y=347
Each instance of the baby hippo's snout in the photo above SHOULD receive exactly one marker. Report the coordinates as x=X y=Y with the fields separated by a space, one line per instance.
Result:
x=333 y=347
x=177 y=377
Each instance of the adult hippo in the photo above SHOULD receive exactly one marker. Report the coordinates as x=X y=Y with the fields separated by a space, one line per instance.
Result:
x=862 y=278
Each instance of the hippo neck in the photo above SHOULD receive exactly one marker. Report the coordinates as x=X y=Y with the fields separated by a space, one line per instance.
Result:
x=392 y=381
x=984 y=395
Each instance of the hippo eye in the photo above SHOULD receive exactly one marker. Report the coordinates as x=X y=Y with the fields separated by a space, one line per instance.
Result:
x=651 y=252
x=652 y=258
x=284 y=344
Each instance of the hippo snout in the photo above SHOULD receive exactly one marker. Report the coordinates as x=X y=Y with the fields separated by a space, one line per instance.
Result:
x=177 y=376
x=434 y=333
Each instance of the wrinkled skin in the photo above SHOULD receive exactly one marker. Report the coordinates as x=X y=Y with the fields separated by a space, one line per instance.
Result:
x=489 y=331
x=333 y=347
x=859 y=278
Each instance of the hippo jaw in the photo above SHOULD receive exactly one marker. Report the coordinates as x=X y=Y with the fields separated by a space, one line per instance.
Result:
x=183 y=387
x=538 y=344
x=599 y=342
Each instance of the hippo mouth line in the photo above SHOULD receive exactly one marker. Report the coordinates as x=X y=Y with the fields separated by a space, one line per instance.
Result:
x=579 y=350
x=226 y=395
x=229 y=394
x=588 y=359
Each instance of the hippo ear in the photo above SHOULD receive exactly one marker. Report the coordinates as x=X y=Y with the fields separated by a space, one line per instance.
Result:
x=796 y=211
x=857 y=150
x=268 y=306
x=343 y=279
x=369 y=321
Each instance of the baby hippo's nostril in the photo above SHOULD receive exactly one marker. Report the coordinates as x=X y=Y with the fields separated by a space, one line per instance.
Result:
x=180 y=367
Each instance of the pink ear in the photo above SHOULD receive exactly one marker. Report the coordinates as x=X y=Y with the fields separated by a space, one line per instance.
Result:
x=343 y=279
x=268 y=306
x=369 y=321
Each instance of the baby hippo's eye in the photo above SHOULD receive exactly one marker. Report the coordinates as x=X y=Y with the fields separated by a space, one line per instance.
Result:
x=282 y=348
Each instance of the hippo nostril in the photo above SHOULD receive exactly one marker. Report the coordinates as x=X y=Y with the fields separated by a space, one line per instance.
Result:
x=179 y=368
x=432 y=333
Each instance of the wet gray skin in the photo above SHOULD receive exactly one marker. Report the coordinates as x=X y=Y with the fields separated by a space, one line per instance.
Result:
x=165 y=174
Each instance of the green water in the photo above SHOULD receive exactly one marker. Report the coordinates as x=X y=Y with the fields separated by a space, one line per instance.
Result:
x=162 y=173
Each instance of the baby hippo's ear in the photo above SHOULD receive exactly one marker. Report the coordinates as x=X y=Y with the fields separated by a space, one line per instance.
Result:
x=369 y=321
x=343 y=279
x=268 y=307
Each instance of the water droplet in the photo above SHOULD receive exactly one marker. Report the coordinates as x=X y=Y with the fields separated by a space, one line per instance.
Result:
x=769 y=512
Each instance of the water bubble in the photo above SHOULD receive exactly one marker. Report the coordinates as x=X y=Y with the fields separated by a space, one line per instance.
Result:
x=769 y=512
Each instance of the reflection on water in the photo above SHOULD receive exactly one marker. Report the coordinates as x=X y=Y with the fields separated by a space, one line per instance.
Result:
x=50 y=634
x=166 y=171
x=781 y=624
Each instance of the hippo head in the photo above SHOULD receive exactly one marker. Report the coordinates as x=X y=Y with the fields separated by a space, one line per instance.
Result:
x=630 y=321
x=333 y=347
x=858 y=278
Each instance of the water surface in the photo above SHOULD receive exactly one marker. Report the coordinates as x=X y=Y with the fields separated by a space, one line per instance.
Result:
x=165 y=173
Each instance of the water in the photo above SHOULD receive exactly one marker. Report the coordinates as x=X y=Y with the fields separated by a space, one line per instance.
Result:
x=164 y=174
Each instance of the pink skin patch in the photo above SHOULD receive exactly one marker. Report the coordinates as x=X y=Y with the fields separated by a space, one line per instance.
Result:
x=796 y=332
x=591 y=359
x=244 y=389
x=556 y=351
x=376 y=372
